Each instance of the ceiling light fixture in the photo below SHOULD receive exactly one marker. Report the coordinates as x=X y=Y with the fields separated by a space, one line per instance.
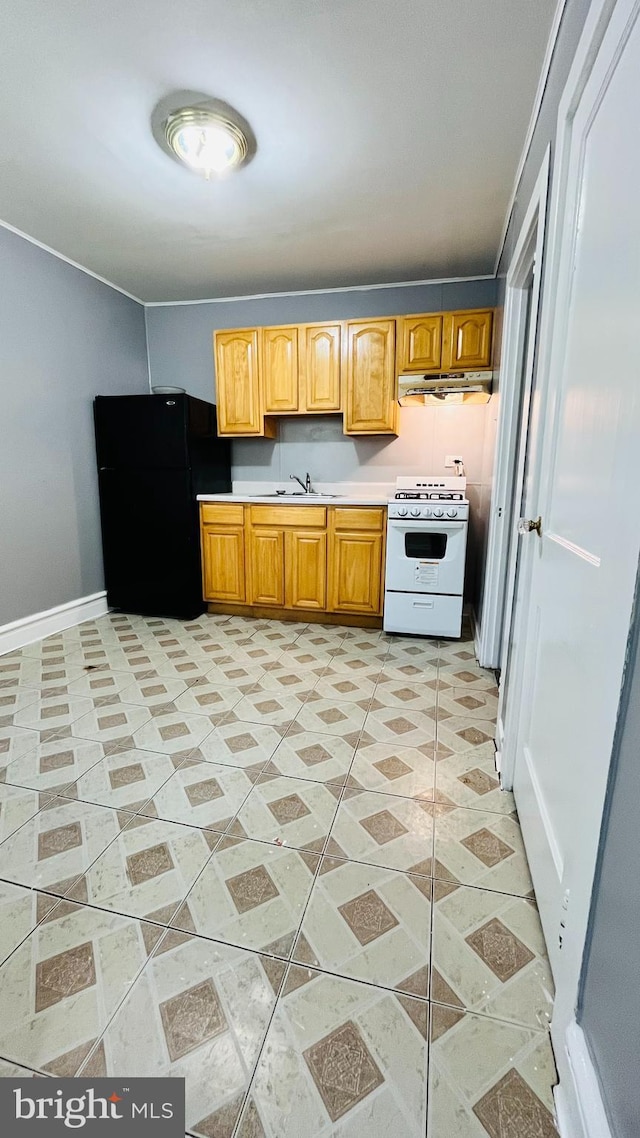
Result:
x=209 y=142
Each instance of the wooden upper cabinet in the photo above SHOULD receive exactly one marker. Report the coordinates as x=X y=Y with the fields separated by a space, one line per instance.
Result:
x=280 y=369
x=468 y=340
x=238 y=382
x=420 y=343
x=320 y=347
x=371 y=407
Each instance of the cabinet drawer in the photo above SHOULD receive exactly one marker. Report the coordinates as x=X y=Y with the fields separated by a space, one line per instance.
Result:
x=359 y=517
x=288 y=516
x=222 y=513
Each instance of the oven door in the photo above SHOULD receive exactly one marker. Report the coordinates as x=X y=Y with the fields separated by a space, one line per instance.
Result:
x=426 y=557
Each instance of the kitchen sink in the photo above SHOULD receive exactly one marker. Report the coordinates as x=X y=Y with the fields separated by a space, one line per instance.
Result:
x=292 y=494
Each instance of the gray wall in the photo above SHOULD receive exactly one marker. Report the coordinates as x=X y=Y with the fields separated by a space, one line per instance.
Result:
x=573 y=19
x=64 y=337
x=609 y=1006
x=181 y=352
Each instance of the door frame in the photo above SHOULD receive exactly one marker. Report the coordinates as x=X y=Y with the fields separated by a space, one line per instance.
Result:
x=607 y=27
x=516 y=382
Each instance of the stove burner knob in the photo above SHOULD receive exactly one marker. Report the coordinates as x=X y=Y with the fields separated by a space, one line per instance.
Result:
x=427 y=513
x=415 y=513
x=438 y=513
x=402 y=511
x=452 y=513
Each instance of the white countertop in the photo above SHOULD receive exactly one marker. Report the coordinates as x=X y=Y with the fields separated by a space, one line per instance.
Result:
x=342 y=494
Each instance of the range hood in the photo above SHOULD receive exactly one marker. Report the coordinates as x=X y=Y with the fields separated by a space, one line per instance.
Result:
x=448 y=388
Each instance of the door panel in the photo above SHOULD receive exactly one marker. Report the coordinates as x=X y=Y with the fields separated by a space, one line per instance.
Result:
x=238 y=382
x=142 y=431
x=420 y=346
x=223 y=563
x=469 y=340
x=320 y=367
x=267 y=566
x=355 y=573
x=280 y=369
x=583 y=568
x=306 y=569
x=371 y=406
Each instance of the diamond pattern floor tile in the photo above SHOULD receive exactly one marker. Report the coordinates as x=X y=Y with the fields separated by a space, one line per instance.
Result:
x=202 y=794
x=470 y=779
x=17 y=805
x=477 y=848
x=250 y=894
x=224 y=844
x=315 y=756
x=368 y=923
x=488 y=1077
x=489 y=956
x=339 y=1058
x=123 y=780
x=330 y=717
x=392 y=769
x=396 y=833
x=240 y=744
x=60 y=987
x=53 y=766
x=288 y=811
x=198 y=1011
x=57 y=845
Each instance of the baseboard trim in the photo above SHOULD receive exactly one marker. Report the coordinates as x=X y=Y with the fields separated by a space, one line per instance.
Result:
x=579 y=1107
x=41 y=624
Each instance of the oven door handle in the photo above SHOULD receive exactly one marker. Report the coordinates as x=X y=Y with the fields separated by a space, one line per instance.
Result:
x=427 y=524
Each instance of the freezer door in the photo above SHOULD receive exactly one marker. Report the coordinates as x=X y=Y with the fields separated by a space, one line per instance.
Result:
x=142 y=431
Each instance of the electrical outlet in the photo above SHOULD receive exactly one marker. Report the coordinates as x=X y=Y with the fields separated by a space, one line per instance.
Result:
x=451 y=459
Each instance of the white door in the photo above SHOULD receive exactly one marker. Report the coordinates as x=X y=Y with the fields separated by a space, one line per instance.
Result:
x=577 y=609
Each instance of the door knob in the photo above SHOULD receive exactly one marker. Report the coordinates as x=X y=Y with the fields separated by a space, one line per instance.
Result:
x=526 y=525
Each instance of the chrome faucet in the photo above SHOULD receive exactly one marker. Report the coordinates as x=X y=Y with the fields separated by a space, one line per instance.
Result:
x=306 y=485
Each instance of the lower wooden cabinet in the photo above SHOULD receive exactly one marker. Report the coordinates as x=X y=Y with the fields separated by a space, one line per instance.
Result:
x=306 y=569
x=298 y=558
x=355 y=573
x=223 y=563
x=266 y=559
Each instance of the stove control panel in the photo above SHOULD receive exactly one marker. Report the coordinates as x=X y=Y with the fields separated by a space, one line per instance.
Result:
x=443 y=512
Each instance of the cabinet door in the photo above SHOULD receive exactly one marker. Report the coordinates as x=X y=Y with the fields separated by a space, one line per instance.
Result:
x=371 y=406
x=469 y=340
x=306 y=569
x=267 y=566
x=420 y=347
x=223 y=566
x=238 y=383
x=320 y=367
x=355 y=573
x=280 y=369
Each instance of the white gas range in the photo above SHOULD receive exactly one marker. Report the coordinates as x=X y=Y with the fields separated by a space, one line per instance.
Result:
x=427 y=527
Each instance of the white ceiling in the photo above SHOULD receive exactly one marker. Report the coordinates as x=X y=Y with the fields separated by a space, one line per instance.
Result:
x=388 y=135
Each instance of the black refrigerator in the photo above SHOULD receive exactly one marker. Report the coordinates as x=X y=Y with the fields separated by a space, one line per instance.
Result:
x=155 y=454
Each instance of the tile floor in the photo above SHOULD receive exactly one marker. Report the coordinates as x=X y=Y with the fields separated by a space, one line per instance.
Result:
x=273 y=859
